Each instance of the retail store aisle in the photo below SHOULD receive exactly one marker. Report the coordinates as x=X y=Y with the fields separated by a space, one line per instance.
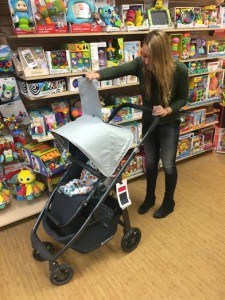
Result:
x=180 y=257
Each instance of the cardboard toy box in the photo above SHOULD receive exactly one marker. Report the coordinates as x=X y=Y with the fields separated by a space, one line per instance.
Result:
x=219 y=139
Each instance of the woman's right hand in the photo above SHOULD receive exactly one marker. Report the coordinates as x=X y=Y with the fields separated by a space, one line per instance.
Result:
x=92 y=75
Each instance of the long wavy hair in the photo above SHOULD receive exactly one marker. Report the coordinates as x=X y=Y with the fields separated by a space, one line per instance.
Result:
x=161 y=65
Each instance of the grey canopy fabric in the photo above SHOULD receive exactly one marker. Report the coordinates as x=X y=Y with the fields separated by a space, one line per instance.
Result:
x=104 y=144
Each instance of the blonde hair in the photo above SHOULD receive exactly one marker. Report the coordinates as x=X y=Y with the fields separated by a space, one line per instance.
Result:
x=161 y=65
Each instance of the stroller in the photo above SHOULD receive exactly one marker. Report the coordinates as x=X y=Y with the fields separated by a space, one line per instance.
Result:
x=85 y=222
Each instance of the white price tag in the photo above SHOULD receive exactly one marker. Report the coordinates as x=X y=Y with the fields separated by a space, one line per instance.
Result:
x=123 y=194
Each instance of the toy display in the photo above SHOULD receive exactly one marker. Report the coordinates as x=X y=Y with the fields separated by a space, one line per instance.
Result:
x=215 y=48
x=159 y=16
x=28 y=149
x=80 y=56
x=98 y=55
x=29 y=188
x=58 y=61
x=4 y=195
x=82 y=16
x=198 y=67
x=50 y=16
x=215 y=81
x=198 y=89
x=22 y=16
x=5 y=59
x=33 y=61
x=133 y=17
x=8 y=90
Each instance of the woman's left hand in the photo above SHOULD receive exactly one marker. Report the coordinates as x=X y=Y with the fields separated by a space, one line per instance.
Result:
x=159 y=111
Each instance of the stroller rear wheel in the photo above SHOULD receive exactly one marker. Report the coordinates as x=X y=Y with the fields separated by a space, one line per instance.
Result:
x=37 y=255
x=131 y=239
x=62 y=274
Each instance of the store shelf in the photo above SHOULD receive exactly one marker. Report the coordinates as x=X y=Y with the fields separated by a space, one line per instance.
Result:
x=69 y=93
x=206 y=73
x=199 y=127
x=197 y=153
x=19 y=210
x=207 y=57
x=50 y=76
x=111 y=33
x=201 y=103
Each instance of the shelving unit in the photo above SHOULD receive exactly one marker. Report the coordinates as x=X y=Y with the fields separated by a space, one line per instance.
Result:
x=19 y=210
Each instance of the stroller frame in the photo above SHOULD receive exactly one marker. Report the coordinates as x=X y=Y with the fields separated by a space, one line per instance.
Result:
x=44 y=251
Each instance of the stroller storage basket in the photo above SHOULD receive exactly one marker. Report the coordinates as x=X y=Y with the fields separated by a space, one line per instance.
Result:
x=101 y=228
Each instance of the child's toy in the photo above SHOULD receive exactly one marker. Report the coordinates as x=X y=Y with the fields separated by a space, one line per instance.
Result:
x=183 y=17
x=185 y=119
x=49 y=121
x=184 y=145
x=186 y=46
x=176 y=45
x=115 y=52
x=159 y=15
x=109 y=17
x=132 y=49
x=7 y=149
x=50 y=16
x=219 y=139
x=22 y=17
x=197 y=67
x=28 y=149
x=197 y=143
x=98 y=55
x=198 y=89
x=29 y=188
x=215 y=81
x=48 y=162
x=40 y=89
x=8 y=90
x=80 y=16
x=215 y=48
x=61 y=110
x=133 y=17
x=211 y=16
x=197 y=118
x=4 y=195
x=37 y=126
x=208 y=134
x=58 y=61
x=80 y=56
x=5 y=59
x=19 y=140
x=214 y=65
x=76 y=110
x=72 y=83
x=33 y=61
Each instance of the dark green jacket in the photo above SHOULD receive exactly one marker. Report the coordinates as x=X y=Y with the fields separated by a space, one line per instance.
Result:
x=179 y=94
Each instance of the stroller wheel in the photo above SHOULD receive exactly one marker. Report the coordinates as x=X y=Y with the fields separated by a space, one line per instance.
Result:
x=37 y=255
x=131 y=239
x=61 y=275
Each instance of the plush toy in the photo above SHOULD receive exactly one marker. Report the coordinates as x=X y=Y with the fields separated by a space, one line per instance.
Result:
x=20 y=13
x=4 y=195
x=130 y=15
x=80 y=11
x=109 y=17
x=48 y=11
x=138 y=19
x=8 y=92
x=29 y=188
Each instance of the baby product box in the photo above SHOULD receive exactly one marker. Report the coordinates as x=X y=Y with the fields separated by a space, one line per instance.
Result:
x=8 y=90
x=98 y=55
x=33 y=61
x=5 y=59
x=72 y=83
x=80 y=56
x=50 y=16
x=58 y=61
x=22 y=16
x=219 y=139
x=132 y=49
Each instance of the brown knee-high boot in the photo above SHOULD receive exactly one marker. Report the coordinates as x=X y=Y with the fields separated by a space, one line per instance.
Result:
x=168 y=201
x=151 y=177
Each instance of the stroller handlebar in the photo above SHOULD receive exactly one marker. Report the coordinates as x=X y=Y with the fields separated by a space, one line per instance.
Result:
x=123 y=105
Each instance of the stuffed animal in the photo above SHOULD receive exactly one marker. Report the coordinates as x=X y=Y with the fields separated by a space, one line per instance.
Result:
x=4 y=195
x=130 y=15
x=29 y=188
x=8 y=92
x=138 y=19
x=20 y=13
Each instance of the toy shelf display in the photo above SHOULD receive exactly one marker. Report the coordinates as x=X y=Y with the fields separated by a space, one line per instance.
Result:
x=47 y=68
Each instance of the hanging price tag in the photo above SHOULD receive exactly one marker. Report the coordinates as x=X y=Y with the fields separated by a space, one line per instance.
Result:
x=123 y=194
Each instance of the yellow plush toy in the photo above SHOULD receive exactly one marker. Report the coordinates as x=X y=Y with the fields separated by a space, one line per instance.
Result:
x=29 y=188
x=4 y=195
x=138 y=19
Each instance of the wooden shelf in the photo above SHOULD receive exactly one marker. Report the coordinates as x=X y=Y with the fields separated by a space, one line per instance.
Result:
x=112 y=33
x=69 y=93
x=199 y=127
x=207 y=57
x=197 y=153
x=201 y=103
x=41 y=77
x=206 y=73
x=19 y=210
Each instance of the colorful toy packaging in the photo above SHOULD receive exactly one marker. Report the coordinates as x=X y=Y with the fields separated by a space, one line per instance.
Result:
x=4 y=194
x=22 y=16
x=98 y=55
x=80 y=56
x=28 y=149
x=184 y=145
x=133 y=17
x=215 y=82
x=32 y=61
x=219 y=139
x=50 y=16
x=8 y=90
x=198 y=88
x=58 y=61
x=82 y=16
x=8 y=152
x=5 y=59
x=132 y=49
x=159 y=16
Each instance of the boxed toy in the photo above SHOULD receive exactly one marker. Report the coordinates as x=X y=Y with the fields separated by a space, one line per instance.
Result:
x=37 y=129
x=219 y=139
x=197 y=67
x=80 y=55
x=72 y=83
x=215 y=82
x=211 y=15
x=82 y=16
x=138 y=101
x=58 y=61
x=188 y=17
x=184 y=145
x=28 y=149
x=198 y=118
x=22 y=16
x=7 y=149
x=214 y=65
x=176 y=42
x=50 y=16
x=48 y=162
x=197 y=143
x=159 y=16
x=115 y=52
x=62 y=112
x=43 y=88
x=198 y=89
x=132 y=49
x=33 y=61
x=215 y=48
x=133 y=17
x=8 y=90
x=106 y=83
x=5 y=59
x=208 y=134
x=98 y=55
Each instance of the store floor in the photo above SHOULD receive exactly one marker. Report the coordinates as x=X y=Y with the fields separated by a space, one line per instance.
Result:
x=180 y=257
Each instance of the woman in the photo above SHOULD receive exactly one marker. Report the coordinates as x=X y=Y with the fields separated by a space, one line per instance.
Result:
x=164 y=87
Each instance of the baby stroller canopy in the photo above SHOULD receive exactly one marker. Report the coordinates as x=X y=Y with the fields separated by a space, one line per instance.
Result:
x=103 y=143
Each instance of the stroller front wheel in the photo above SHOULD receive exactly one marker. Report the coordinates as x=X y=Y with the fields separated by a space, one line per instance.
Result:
x=131 y=239
x=61 y=275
